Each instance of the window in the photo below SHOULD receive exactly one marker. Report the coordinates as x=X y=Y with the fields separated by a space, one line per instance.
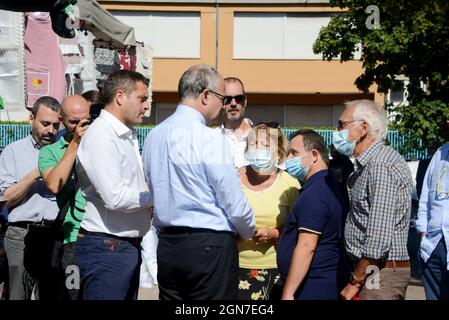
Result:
x=171 y=34
x=278 y=35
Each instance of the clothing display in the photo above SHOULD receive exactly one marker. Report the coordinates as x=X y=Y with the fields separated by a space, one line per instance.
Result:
x=45 y=66
x=12 y=69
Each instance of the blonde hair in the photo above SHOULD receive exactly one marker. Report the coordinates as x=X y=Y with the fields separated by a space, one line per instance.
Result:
x=274 y=136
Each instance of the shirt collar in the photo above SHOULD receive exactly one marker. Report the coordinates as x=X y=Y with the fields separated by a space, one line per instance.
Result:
x=230 y=132
x=35 y=144
x=365 y=157
x=314 y=177
x=191 y=113
x=119 y=127
x=63 y=142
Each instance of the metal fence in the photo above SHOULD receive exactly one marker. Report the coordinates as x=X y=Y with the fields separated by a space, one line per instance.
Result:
x=12 y=132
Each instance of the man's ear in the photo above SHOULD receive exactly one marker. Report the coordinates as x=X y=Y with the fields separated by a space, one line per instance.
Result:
x=31 y=119
x=205 y=97
x=365 y=128
x=120 y=97
x=316 y=155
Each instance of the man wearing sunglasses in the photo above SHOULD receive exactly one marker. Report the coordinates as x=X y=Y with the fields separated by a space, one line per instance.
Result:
x=380 y=190
x=235 y=127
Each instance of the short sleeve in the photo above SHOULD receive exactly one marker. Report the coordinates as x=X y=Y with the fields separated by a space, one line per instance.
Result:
x=312 y=214
x=7 y=169
x=287 y=198
x=47 y=160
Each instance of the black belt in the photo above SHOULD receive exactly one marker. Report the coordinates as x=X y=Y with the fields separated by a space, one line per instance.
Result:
x=133 y=241
x=180 y=230
x=26 y=224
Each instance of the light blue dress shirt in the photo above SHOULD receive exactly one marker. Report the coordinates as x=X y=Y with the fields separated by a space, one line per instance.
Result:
x=17 y=160
x=433 y=214
x=192 y=176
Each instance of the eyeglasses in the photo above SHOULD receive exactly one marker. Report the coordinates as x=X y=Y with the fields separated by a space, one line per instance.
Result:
x=270 y=124
x=219 y=96
x=239 y=99
x=342 y=124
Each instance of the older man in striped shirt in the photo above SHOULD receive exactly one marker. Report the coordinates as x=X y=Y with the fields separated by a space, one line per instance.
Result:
x=380 y=190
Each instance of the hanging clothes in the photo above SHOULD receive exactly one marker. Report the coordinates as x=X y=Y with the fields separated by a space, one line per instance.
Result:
x=45 y=66
x=127 y=59
x=89 y=73
x=12 y=68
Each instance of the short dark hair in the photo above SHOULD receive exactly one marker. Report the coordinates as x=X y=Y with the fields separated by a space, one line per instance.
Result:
x=47 y=101
x=235 y=79
x=312 y=140
x=93 y=96
x=121 y=80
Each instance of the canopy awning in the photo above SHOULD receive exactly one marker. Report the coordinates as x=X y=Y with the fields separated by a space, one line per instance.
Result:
x=104 y=25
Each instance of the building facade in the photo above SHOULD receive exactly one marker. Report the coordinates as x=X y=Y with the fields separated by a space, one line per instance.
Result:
x=267 y=44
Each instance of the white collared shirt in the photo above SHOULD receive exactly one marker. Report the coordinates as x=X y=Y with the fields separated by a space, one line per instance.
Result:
x=237 y=146
x=111 y=177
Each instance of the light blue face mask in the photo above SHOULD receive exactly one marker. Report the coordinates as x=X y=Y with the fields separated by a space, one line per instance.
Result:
x=342 y=144
x=296 y=169
x=259 y=160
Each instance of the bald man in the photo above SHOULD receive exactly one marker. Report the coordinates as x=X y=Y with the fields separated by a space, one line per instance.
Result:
x=56 y=166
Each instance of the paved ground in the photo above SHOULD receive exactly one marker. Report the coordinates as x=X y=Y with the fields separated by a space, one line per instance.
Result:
x=415 y=291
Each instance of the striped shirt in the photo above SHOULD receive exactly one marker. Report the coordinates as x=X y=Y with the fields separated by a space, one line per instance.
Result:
x=380 y=189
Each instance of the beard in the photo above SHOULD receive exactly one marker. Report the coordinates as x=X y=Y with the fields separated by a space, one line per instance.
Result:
x=234 y=118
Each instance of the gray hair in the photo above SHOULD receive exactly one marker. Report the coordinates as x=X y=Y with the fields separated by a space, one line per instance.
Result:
x=196 y=79
x=374 y=114
x=47 y=101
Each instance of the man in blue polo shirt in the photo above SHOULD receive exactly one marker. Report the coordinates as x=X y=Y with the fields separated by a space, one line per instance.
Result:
x=309 y=248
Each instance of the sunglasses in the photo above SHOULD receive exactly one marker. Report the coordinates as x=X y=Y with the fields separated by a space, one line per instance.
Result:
x=342 y=124
x=239 y=99
x=270 y=124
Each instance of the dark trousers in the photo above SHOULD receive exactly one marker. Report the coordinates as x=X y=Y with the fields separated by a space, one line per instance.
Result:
x=109 y=267
x=197 y=265
x=435 y=273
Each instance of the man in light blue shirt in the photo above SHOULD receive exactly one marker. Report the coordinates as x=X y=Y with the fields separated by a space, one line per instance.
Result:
x=199 y=206
x=433 y=224
x=28 y=200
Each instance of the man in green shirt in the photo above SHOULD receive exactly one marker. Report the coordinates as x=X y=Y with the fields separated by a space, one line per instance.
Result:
x=57 y=168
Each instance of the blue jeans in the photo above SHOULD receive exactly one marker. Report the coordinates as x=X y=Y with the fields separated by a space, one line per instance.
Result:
x=109 y=268
x=435 y=273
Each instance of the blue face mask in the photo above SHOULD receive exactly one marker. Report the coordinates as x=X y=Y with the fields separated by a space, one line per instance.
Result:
x=259 y=160
x=342 y=144
x=296 y=169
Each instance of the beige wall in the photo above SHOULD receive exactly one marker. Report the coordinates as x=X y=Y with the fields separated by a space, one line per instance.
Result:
x=260 y=76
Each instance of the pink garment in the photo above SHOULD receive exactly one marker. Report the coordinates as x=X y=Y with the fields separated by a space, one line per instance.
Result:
x=45 y=65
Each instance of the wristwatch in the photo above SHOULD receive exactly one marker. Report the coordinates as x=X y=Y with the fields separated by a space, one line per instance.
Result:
x=356 y=282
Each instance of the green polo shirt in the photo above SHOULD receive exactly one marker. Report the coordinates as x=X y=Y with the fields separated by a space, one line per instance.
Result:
x=49 y=157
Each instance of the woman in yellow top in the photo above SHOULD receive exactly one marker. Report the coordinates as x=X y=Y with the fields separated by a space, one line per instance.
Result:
x=271 y=192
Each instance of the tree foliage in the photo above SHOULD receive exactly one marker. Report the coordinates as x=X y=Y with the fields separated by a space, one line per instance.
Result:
x=412 y=39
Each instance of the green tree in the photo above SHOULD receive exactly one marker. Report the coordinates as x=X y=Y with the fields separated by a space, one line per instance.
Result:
x=412 y=39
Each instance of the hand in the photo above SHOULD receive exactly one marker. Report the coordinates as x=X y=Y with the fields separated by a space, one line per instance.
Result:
x=349 y=291
x=80 y=129
x=265 y=235
x=35 y=174
x=423 y=234
x=287 y=297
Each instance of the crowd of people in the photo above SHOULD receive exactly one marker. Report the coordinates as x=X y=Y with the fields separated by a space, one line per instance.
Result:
x=239 y=211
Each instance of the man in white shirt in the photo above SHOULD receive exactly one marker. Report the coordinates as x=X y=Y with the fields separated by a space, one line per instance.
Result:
x=111 y=176
x=235 y=127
